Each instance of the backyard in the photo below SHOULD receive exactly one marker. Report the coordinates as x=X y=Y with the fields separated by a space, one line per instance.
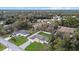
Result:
x=37 y=47
x=46 y=35
x=18 y=40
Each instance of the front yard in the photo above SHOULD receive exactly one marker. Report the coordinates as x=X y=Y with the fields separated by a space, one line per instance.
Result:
x=2 y=47
x=18 y=40
x=36 y=47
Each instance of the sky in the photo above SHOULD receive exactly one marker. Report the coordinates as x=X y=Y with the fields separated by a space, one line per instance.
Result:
x=39 y=8
x=39 y=3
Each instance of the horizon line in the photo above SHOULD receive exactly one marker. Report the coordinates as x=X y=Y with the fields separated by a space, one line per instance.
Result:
x=39 y=8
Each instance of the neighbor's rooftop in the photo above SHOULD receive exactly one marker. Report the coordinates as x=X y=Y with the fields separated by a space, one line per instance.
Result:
x=40 y=37
x=24 y=32
x=66 y=29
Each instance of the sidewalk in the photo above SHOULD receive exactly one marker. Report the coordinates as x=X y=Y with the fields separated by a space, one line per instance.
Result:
x=23 y=46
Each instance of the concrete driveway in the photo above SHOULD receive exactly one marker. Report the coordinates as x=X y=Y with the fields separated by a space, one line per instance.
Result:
x=23 y=46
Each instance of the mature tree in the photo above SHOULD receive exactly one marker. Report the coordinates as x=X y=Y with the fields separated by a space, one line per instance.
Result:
x=77 y=39
x=77 y=33
x=21 y=24
x=69 y=45
x=64 y=44
x=14 y=39
x=57 y=44
x=9 y=21
x=55 y=24
x=71 y=21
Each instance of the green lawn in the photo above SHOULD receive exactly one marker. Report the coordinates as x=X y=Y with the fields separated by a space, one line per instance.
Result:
x=36 y=47
x=46 y=35
x=18 y=40
x=2 y=47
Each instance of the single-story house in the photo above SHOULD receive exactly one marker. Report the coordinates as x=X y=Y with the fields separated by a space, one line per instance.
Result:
x=38 y=38
x=20 y=32
x=65 y=31
x=56 y=18
x=1 y=22
x=8 y=28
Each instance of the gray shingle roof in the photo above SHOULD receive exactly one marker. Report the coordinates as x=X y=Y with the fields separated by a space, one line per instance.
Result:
x=42 y=38
x=24 y=32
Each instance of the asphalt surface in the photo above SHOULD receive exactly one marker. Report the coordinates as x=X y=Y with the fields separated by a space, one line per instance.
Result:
x=10 y=45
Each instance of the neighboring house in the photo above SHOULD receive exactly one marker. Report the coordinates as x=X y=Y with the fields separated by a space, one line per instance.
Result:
x=74 y=16
x=39 y=20
x=38 y=38
x=20 y=32
x=56 y=18
x=1 y=22
x=8 y=28
x=66 y=30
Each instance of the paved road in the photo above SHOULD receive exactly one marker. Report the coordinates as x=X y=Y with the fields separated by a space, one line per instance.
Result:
x=23 y=46
x=9 y=45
